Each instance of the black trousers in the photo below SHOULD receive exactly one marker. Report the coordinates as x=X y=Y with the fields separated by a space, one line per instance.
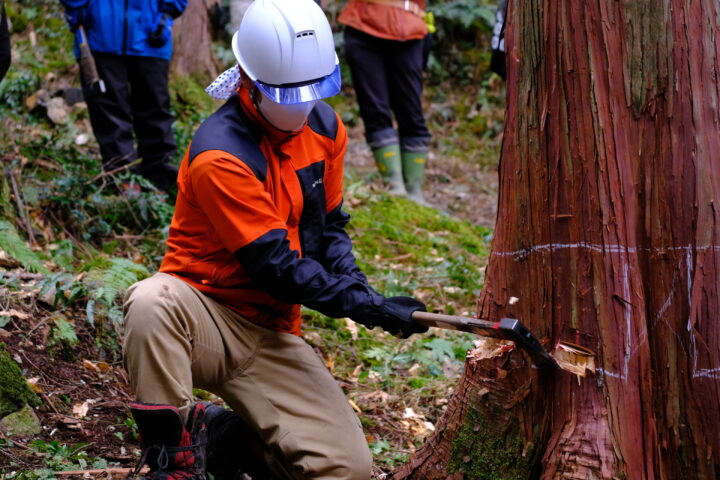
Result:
x=136 y=101
x=4 y=43
x=388 y=79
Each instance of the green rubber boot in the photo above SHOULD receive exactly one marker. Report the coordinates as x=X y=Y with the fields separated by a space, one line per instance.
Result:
x=413 y=167
x=389 y=164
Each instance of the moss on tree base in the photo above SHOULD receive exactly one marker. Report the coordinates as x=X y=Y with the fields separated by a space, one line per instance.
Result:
x=483 y=454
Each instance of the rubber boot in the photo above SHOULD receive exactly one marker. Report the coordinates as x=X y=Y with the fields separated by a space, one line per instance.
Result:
x=413 y=168
x=172 y=449
x=389 y=164
x=234 y=451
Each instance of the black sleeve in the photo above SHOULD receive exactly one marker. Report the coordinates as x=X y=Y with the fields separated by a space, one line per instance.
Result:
x=4 y=44
x=336 y=246
x=276 y=268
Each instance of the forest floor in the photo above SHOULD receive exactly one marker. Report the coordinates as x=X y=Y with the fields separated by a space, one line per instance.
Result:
x=84 y=413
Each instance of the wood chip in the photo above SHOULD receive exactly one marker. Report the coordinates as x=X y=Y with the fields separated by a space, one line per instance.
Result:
x=574 y=358
x=487 y=347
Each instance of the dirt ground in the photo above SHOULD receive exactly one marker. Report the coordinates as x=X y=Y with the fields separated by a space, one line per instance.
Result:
x=67 y=383
x=452 y=185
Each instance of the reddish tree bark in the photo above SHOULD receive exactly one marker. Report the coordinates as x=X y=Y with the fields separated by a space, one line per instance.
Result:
x=608 y=233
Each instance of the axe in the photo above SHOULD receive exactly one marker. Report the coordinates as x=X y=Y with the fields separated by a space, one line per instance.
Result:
x=507 y=329
x=88 y=70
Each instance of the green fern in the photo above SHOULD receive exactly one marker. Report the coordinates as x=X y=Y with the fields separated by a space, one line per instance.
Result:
x=106 y=282
x=16 y=248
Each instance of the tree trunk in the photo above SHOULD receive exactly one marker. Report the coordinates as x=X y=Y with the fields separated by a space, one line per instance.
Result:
x=608 y=233
x=192 y=42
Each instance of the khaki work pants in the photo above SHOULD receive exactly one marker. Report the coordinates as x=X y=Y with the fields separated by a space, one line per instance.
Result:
x=177 y=338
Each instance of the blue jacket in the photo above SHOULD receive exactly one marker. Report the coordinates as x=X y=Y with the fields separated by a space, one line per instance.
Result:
x=122 y=27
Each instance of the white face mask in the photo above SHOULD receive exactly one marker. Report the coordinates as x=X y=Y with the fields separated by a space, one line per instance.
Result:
x=288 y=118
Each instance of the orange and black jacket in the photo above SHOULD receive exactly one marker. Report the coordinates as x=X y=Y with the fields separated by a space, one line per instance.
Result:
x=258 y=223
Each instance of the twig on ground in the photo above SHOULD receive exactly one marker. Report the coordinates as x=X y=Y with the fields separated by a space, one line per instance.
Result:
x=23 y=276
x=49 y=402
x=16 y=443
x=114 y=171
x=129 y=237
x=7 y=452
x=9 y=263
x=42 y=394
x=20 y=204
x=111 y=471
x=60 y=224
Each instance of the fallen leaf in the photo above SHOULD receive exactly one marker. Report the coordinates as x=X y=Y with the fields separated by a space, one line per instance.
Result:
x=91 y=366
x=33 y=384
x=330 y=363
x=352 y=328
x=103 y=366
x=373 y=400
x=313 y=338
x=80 y=410
x=413 y=370
x=409 y=413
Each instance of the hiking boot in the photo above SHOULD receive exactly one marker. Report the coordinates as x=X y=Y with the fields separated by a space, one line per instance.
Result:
x=234 y=450
x=172 y=450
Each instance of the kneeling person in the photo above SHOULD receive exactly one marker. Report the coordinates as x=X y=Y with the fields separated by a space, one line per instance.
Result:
x=258 y=230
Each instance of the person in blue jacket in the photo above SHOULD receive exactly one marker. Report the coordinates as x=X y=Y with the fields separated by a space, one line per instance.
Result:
x=131 y=41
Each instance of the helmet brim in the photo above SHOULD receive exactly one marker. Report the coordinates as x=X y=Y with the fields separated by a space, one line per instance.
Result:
x=325 y=87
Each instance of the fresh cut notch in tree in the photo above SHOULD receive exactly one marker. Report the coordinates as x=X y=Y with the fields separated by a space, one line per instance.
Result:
x=608 y=234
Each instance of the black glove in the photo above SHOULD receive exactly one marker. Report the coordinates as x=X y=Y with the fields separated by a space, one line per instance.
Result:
x=395 y=316
x=159 y=37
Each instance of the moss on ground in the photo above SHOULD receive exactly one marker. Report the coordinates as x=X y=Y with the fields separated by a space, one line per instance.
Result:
x=14 y=390
x=189 y=93
x=406 y=249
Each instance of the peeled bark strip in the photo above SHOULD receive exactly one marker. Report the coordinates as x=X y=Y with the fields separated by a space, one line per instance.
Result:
x=608 y=233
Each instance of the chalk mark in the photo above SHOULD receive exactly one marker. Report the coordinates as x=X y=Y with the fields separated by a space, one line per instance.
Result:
x=642 y=338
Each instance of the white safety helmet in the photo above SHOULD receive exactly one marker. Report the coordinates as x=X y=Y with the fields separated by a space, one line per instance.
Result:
x=286 y=47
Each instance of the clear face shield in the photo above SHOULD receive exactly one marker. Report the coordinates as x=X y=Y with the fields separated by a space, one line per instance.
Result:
x=288 y=106
x=316 y=89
